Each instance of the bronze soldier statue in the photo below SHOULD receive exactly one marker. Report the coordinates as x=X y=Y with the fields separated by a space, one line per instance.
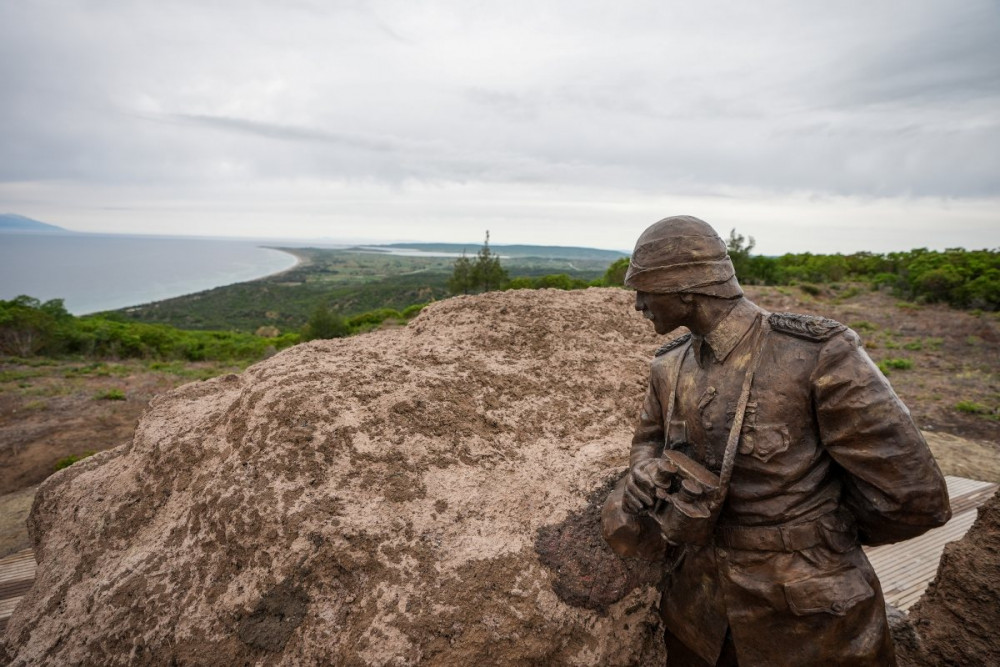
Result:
x=769 y=448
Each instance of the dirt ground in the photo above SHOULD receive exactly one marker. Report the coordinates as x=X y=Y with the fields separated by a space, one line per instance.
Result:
x=53 y=409
x=14 y=509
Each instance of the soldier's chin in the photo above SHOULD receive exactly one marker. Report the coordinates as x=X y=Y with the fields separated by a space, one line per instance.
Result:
x=663 y=328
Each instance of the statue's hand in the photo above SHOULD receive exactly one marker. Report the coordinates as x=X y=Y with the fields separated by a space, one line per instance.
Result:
x=640 y=490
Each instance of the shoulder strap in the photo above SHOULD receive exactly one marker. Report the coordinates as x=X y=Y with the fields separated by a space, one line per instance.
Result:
x=734 y=433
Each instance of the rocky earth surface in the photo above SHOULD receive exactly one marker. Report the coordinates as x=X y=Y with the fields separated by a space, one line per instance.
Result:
x=415 y=494
x=956 y=620
x=423 y=494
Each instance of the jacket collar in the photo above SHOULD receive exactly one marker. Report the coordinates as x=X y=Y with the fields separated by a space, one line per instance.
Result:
x=730 y=330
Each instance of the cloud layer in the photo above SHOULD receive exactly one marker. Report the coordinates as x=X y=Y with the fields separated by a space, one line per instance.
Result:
x=324 y=117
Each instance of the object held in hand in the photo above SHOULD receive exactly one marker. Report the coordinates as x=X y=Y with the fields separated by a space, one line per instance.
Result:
x=688 y=499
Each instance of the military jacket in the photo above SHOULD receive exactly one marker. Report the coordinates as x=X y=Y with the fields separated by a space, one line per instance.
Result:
x=825 y=441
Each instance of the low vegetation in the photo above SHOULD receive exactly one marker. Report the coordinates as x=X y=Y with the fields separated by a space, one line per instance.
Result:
x=29 y=328
x=895 y=364
x=349 y=282
x=67 y=461
x=961 y=278
x=973 y=408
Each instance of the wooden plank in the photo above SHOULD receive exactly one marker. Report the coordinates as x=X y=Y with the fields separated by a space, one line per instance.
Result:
x=930 y=549
x=890 y=564
x=972 y=500
x=905 y=569
x=7 y=607
x=16 y=565
x=17 y=588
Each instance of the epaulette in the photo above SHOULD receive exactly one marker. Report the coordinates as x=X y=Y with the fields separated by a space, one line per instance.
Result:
x=677 y=342
x=809 y=327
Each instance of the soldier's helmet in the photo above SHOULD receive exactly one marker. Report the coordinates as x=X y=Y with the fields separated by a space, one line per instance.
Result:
x=682 y=254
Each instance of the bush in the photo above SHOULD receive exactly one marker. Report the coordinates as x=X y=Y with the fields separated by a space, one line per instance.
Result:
x=412 y=311
x=325 y=324
x=521 y=282
x=71 y=459
x=958 y=277
x=973 y=408
x=372 y=319
x=895 y=364
x=615 y=275
x=559 y=281
x=111 y=395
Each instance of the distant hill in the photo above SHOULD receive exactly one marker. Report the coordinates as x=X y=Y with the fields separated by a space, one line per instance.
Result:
x=10 y=222
x=548 y=251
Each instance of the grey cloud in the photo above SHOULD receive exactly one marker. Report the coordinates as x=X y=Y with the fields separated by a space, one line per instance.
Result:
x=851 y=99
x=286 y=132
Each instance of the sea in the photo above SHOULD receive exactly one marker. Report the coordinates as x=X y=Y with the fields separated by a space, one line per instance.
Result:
x=96 y=272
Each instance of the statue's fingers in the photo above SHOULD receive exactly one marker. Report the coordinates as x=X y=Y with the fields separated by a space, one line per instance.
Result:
x=628 y=504
x=641 y=483
x=637 y=496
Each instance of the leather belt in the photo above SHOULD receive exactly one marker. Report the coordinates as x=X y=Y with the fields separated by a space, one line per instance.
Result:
x=790 y=537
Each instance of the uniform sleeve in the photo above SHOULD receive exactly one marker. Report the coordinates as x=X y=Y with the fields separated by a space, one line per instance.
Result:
x=892 y=484
x=648 y=439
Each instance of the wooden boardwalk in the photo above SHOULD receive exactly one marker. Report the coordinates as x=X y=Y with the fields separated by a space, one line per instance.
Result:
x=17 y=573
x=905 y=569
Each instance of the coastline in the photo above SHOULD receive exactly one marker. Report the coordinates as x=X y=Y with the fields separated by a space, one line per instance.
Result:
x=301 y=262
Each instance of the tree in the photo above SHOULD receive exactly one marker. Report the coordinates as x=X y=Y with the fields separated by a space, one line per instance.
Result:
x=482 y=275
x=28 y=326
x=487 y=272
x=461 y=277
x=615 y=275
x=325 y=324
x=739 y=248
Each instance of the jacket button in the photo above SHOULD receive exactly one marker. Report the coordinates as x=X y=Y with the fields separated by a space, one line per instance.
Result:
x=721 y=553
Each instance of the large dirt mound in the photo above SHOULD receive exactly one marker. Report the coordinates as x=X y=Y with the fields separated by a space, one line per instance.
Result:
x=415 y=494
x=957 y=621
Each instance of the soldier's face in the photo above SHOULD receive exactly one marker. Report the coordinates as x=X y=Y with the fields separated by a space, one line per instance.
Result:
x=665 y=311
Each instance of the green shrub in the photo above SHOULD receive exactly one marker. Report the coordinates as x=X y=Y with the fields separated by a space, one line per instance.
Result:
x=896 y=364
x=811 y=290
x=325 y=324
x=559 y=281
x=520 y=282
x=71 y=459
x=372 y=319
x=412 y=311
x=114 y=394
x=615 y=275
x=973 y=408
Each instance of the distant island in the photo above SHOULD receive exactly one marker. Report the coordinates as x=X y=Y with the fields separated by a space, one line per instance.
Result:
x=10 y=222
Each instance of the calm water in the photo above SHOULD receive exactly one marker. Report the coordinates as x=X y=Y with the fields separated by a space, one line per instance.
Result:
x=94 y=273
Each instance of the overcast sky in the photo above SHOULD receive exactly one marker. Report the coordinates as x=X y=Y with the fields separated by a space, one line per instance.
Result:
x=813 y=126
